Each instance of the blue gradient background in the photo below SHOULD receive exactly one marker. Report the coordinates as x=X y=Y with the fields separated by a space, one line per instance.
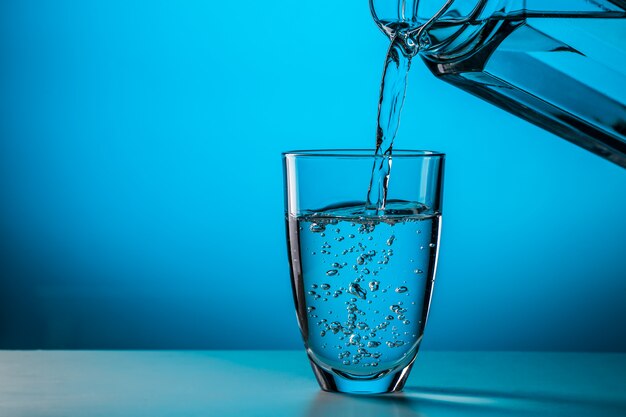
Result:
x=123 y=223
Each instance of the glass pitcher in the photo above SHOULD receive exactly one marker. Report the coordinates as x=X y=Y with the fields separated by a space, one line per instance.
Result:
x=560 y=64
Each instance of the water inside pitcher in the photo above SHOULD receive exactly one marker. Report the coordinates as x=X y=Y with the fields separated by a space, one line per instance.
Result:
x=560 y=64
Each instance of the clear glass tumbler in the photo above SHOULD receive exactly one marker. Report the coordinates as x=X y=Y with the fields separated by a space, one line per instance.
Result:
x=362 y=279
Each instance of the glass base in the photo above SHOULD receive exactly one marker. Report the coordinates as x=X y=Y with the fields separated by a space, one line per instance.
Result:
x=391 y=382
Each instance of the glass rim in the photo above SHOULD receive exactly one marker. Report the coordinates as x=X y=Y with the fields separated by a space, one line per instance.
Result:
x=361 y=153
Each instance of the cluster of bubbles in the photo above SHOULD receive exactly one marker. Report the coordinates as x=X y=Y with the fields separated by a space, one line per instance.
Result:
x=359 y=339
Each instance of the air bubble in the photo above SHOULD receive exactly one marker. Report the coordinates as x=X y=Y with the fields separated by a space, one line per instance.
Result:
x=331 y=272
x=399 y=290
x=312 y=293
x=309 y=309
x=366 y=228
x=351 y=236
x=355 y=289
x=390 y=240
x=374 y=285
x=406 y=322
x=355 y=339
x=325 y=287
x=432 y=245
x=418 y=271
x=317 y=228
x=373 y=344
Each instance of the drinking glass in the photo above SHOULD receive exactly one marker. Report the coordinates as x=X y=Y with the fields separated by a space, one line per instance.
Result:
x=362 y=278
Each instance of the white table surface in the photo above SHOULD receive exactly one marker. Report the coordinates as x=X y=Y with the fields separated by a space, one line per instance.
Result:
x=281 y=383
